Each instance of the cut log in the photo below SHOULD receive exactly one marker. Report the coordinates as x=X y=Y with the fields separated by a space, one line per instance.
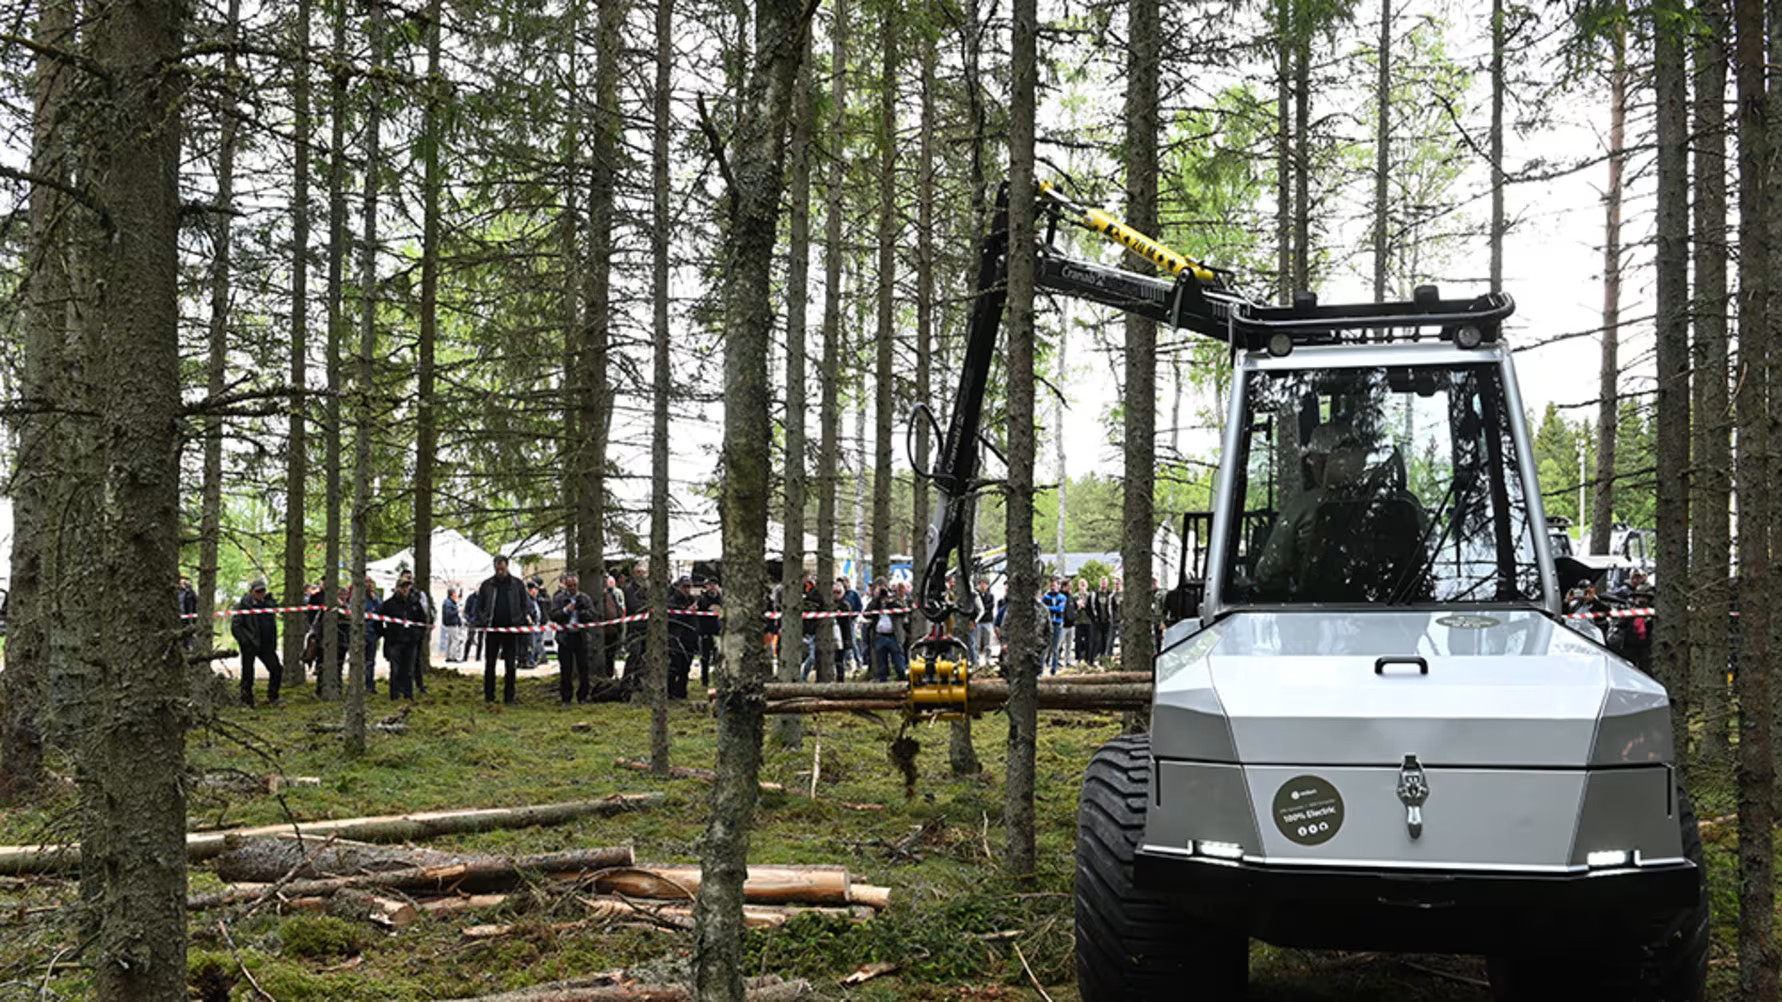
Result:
x=317 y=727
x=419 y=826
x=607 y=908
x=689 y=772
x=763 y=885
x=877 y=898
x=1098 y=678
x=987 y=694
x=263 y=860
x=462 y=903
x=476 y=874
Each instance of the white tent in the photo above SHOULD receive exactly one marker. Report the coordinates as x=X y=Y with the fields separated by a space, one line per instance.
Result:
x=457 y=563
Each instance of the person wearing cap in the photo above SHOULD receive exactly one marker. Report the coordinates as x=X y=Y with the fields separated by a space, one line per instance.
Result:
x=501 y=602
x=404 y=630
x=374 y=629
x=572 y=610
x=256 y=633
x=683 y=636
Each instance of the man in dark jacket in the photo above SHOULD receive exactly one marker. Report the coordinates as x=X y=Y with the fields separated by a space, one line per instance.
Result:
x=712 y=600
x=257 y=636
x=637 y=600
x=683 y=637
x=501 y=601
x=473 y=637
x=402 y=641
x=572 y=609
x=188 y=611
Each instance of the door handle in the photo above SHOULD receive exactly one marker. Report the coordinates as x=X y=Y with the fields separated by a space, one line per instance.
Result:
x=1422 y=665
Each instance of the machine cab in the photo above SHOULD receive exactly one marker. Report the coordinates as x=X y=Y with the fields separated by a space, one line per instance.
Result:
x=1377 y=475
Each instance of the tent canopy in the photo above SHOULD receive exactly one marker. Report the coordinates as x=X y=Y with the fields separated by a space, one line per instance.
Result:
x=457 y=562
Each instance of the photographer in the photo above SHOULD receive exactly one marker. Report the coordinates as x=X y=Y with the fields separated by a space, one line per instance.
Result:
x=572 y=609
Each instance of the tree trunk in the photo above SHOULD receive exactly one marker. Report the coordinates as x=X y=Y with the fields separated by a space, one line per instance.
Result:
x=426 y=422
x=362 y=664
x=35 y=487
x=1302 y=159
x=1023 y=556
x=338 y=237
x=798 y=265
x=134 y=872
x=1063 y=471
x=1712 y=484
x=210 y=523
x=920 y=515
x=1283 y=152
x=1671 y=644
x=297 y=433
x=884 y=380
x=1603 y=496
x=757 y=161
x=1138 y=515
x=577 y=450
x=659 y=267
x=661 y=389
x=1496 y=141
x=1383 y=146
x=593 y=396
x=829 y=408
x=1756 y=768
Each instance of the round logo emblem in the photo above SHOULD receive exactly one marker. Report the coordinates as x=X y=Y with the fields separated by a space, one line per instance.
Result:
x=1308 y=810
x=1467 y=621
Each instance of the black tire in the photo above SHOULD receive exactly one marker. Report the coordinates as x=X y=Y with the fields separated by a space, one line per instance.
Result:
x=1665 y=962
x=1132 y=947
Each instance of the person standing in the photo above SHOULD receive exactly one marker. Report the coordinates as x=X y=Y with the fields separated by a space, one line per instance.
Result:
x=572 y=610
x=451 y=622
x=405 y=631
x=847 y=600
x=429 y=616
x=637 y=602
x=473 y=637
x=188 y=612
x=683 y=637
x=1055 y=601
x=501 y=603
x=256 y=633
x=712 y=600
x=613 y=633
x=984 y=634
x=887 y=620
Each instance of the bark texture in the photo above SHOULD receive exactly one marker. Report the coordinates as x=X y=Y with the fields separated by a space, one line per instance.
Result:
x=426 y=419
x=133 y=754
x=756 y=160
x=659 y=265
x=884 y=379
x=790 y=730
x=1710 y=503
x=1023 y=555
x=1756 y=768
x=829 y=407
x=1602 y=515
x=297 y=424
x=1138 y=514
x=339 y=71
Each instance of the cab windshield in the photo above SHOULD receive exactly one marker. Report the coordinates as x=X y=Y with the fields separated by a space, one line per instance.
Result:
x=1391 y=485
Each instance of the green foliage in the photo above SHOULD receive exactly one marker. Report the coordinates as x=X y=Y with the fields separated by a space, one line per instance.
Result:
x=319 y=936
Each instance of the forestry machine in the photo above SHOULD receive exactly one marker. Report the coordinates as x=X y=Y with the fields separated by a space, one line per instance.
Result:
x=1371 y=729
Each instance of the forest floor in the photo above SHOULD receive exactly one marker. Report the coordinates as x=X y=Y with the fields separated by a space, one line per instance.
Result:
x=956 y=926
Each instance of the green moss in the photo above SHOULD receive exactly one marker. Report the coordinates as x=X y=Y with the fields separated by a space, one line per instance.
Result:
x=319 y=936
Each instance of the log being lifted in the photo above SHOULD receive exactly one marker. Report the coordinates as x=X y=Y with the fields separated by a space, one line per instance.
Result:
x=418 y=826
x=986 y=694
x=474 y=874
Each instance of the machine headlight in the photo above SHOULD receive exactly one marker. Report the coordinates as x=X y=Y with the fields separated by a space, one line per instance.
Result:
x=1216 y=850
x=1605 y=858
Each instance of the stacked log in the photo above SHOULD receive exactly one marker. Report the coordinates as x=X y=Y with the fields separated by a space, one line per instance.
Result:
x=1110 y=691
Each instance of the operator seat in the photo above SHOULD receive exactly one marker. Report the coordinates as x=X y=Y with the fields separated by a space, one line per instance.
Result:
x=1365 y=539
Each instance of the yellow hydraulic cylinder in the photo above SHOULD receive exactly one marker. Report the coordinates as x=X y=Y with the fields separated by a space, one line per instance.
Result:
x=939 y=685
x=1092 y=218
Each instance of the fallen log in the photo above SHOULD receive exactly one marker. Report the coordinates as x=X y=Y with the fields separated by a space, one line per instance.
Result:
x=201 y=846
x=986 y=694
x=317 y=727
x=763 y=885
x=1098 y=678
x=876 y=898
x=350 y=904
x=689 y=772
x=475 y=874
x=766 y=989
x=261 y=860
x=462 y=903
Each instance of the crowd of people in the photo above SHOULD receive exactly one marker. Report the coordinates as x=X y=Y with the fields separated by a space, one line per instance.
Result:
x=499 y=623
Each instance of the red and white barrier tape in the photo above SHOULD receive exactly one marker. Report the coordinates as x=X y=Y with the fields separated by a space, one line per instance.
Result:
x=542 y=628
